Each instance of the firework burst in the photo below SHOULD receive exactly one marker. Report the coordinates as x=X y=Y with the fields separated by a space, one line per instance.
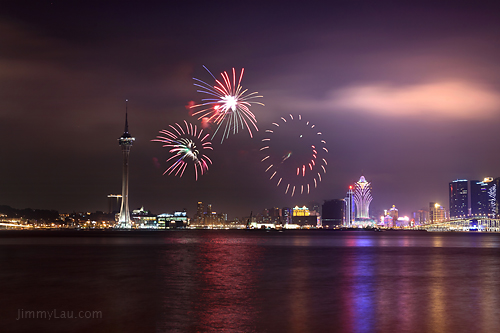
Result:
x=228 y=105
x=295 y=155
x=186 y=146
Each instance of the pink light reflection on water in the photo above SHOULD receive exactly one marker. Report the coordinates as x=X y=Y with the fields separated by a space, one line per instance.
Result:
x=226 y=280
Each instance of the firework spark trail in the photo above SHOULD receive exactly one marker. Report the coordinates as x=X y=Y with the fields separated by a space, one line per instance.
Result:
x=276 y=163
x=231 y=105
x=185 y=146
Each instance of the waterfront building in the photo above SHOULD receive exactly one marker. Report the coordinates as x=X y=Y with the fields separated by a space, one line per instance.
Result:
x=493 y=194
x=300 y=211
x=274 y=215
x=286 y=215
x=177 y=220
x=388 y=221
x=403 y=221
x=199 y=208
x=198 y=218
x=362 y=198
x=208 y=218
x=349 y=208
x=437 y=213
x=480 y=197
x=264 y=218
x=459 y=198
x=143 y=219
x=250 y=220
x=394 y=213
x=304 y=218
x=215 y=220
x=420 y=217
x=472 y=198
x=125 y=141
x=332 y=213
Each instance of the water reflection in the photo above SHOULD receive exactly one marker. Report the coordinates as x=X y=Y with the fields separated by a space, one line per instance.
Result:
x=211 y=286
x=437 y=296
x=299 y=296
x=359 y=241
x=487 y=291
x=357 y=292
x=405 y=286
x=233 y=281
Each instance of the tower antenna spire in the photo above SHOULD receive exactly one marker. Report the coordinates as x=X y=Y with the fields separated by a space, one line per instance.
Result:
x=126 y=115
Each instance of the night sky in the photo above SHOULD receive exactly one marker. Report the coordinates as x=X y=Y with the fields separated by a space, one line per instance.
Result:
x=407 y=95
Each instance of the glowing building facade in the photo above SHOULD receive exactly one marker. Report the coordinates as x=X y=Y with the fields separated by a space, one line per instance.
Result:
x=303 y=217
x=286 y=213
x=362 y=198
x=421 y=217
x=394 y=213
x=208 y=218
x=125 y=141
x=473 y=198
x=177 y=220
x=493 y=196
x=437 y=213
x=459 y=198
x=482 y=197
x=349 y=208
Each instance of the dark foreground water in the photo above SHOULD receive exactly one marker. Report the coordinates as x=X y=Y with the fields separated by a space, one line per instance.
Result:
x=249 y=281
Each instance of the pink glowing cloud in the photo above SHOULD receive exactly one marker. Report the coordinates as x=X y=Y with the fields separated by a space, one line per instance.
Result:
x=454 y=98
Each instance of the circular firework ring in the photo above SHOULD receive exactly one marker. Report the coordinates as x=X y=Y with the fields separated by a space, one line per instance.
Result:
x=187 y=145
x=295 y=155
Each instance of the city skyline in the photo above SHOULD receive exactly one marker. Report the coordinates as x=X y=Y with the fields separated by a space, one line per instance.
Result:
x=410 y=105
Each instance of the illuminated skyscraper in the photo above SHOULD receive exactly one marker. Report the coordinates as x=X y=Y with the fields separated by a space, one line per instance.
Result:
x=459 y=198
x=199 y=209
x=349 y=208
x=493 y=194
x=482 y=196
x=199 y=218
x=274 y=215
x=393 y=212
x=362 y=198
x=421 y=217
x=125 y=141
x=286 y=213
x=437 y=213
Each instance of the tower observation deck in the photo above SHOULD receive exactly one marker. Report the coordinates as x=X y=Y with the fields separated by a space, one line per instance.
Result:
x=125 y=141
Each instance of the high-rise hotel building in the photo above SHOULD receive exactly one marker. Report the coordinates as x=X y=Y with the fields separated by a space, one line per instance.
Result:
x=473 y=198
x=349 y=208
x=362 y=198
x=459 y=198
x=437 y=213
